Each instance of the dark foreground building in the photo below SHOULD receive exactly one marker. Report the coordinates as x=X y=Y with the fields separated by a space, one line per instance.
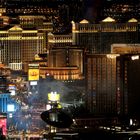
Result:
x=128 y=84
x=113 y=84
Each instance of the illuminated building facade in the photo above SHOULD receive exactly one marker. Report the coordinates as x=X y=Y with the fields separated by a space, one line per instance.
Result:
x=21 y=7
x=37 y=22
x=56 y=65
x=4 y=21
x=2 y=10
x=59 y=40
x=101 y=84
x=63 y=54
x=60 y=73
x=97 y=38
x=125 y=48
x=121 y=10
x=20 y=46
x=4 y=98
x=68 y=57
x=56 y=11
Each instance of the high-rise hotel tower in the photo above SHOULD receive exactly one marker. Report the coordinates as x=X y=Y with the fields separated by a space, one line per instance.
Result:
x=20 y=46
x=97 y=38
x=100 y=64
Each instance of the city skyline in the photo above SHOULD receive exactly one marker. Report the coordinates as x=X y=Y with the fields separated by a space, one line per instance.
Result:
x=86 y=51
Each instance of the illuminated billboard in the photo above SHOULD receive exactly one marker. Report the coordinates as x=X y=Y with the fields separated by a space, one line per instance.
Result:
x=10 y=108
x=33 y=72
x=3 y=124
x=53 y=96
x=12 y=89
x=125 y=48
x=33 y=83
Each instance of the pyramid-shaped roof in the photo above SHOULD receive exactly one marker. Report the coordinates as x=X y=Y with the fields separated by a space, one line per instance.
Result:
x=16 y=27
x=108 y=19
x=50 y=33
x=132 y=20
x=84 y=21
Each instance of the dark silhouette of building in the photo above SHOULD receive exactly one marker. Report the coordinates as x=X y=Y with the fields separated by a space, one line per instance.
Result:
x=3 y=84
x=112 y=85
x=101 y=84
x=128 y=85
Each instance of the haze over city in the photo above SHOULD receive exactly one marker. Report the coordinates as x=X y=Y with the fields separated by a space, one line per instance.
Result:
x=69 y=69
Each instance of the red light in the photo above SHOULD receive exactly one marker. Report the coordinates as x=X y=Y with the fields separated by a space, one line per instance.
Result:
x=3 y=125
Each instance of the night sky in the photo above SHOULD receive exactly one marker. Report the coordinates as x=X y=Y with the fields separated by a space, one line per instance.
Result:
x=92 y=8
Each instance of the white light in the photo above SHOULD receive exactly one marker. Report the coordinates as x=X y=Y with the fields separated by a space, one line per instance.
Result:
x=10 y=108
x=135 y=57
x=12 y=92
x=131 y=121
x=48 y=74
x=112 y=56
x=33 y=83
x=48 y=107
x=10 y=115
